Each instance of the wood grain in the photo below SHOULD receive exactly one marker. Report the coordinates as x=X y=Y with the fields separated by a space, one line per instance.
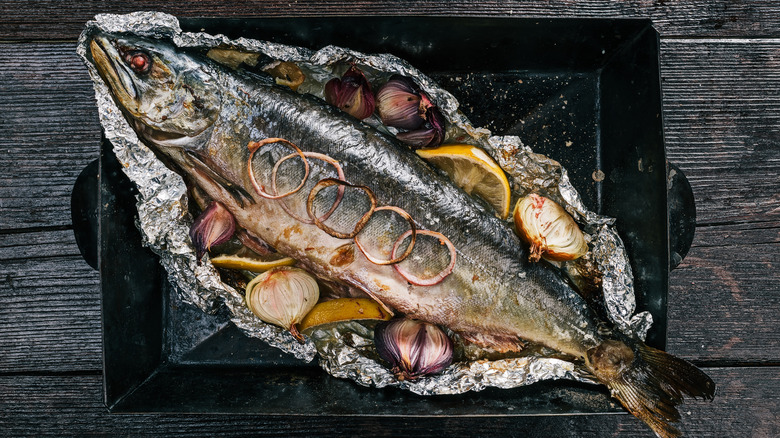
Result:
x=65 y=19
x=50 y=312
x=725 y=296
x=48 y=132
x=746 y=405
x=722 y=125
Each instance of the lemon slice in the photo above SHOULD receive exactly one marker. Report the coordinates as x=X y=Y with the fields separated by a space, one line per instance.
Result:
x=249 y=264
x=473 y=170
x=343 y=309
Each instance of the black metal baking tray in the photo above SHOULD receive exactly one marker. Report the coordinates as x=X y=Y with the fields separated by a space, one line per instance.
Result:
x=585 y=92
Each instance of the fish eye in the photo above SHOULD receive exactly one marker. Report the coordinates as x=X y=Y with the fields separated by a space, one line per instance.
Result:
x=140 y=62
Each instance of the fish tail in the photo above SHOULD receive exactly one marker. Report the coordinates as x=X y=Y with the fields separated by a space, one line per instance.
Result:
x=649 y=383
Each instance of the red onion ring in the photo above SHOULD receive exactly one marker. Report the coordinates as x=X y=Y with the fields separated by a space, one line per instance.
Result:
x=316 y=155
x=411 y=278
x=327 y=182
x=394 y=260
x=254 y=146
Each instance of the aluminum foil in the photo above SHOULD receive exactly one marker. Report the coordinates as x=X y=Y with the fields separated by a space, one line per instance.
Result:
x=346 y=350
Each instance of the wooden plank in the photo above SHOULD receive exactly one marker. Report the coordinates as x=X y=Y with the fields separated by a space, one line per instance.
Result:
x=747 y=404
x=40 y=20
x=722 y=125
x=724 y=297
x=50 y=313
x=48 y=132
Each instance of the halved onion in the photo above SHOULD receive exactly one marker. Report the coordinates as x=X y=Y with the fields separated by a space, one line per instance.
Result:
x=283 y=296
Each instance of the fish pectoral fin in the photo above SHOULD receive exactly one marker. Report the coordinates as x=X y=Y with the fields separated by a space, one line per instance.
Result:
x=373 y=296
x=384 y=306
x=241 y=196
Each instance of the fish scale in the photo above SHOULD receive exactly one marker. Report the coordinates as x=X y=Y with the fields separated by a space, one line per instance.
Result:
x=493 y=297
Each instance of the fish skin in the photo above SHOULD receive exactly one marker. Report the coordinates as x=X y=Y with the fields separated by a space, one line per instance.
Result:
x=493 y=297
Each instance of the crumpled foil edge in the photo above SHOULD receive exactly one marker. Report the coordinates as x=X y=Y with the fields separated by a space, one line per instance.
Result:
x=347 y=351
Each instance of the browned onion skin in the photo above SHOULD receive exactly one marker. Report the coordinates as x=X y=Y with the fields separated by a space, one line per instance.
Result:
x=549 y=230
x=402 y=104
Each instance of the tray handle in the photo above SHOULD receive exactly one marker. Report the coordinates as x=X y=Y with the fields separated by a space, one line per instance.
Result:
x=682 y=214
x=83 y=212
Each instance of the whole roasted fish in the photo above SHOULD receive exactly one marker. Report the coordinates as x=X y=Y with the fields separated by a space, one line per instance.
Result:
x=243 y=142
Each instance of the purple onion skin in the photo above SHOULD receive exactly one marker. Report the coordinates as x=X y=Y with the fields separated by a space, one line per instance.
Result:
x=402 y=104
x=352 y=94
x=430 y=135
x=214 y=226
x=398 y=103
x=413 y=348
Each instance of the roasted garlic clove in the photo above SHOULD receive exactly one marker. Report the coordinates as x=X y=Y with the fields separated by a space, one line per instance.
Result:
x=549 y=229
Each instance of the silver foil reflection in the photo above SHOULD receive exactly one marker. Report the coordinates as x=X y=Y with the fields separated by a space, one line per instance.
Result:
x=347 y=350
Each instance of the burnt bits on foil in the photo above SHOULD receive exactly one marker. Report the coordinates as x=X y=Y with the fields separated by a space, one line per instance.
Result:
x=346 y=349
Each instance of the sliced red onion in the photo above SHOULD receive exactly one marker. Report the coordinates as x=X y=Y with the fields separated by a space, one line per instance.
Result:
x=411 y=278
x=316 y=155
x=394 y=259
x=327 y=182
x=254 y=146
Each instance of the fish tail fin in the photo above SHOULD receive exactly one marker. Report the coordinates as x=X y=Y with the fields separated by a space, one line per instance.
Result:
x=649 y=383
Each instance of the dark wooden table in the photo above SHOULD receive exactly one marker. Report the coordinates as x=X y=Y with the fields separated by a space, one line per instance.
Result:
x=720 y=68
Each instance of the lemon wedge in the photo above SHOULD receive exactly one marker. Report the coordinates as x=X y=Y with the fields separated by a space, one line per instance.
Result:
x=473 y=170
x=248 y=263
x=343 y=309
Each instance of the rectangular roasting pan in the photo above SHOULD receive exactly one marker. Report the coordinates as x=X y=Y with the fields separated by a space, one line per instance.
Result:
x=585 y=92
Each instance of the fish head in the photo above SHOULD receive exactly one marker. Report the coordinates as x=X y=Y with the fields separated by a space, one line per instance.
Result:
x=168 y=96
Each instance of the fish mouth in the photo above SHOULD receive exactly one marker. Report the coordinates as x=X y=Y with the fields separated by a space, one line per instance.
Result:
x=114 y=72
x=159 y=137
